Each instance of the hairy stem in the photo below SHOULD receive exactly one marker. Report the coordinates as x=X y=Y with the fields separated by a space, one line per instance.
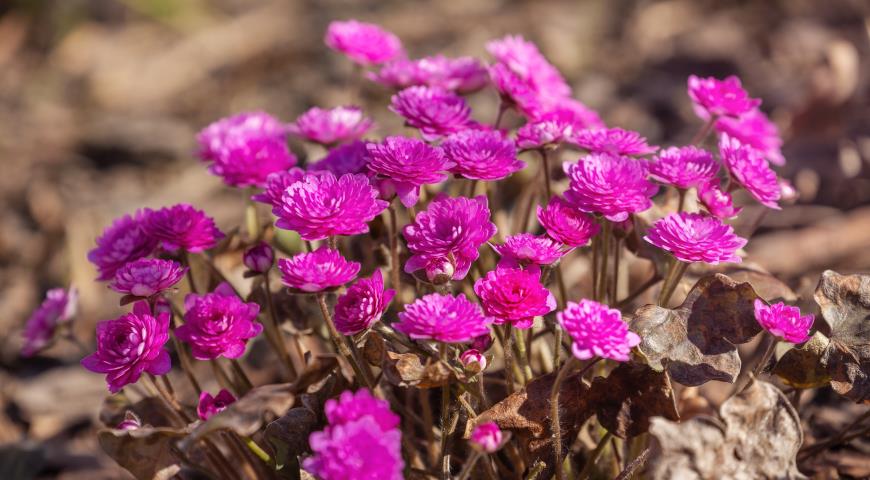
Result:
x=672 y=280
x=594 y=456
x=341 y=344
x=555 y=425
x=520 y=340
x=469 y=465
x=278 y=339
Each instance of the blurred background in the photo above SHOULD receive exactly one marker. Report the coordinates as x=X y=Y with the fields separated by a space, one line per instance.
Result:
x=100 y=101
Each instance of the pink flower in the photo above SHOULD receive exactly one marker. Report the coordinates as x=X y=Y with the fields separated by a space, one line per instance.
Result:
x=696 y=237
x=526 y=249
x=570 y=111
x=449 y=232
x=615 y=141
x=408 y=163
x=567 y=224
x=756 y=130
x=259 y=258
x=147 y=276
x=126 y=240
x=361 y=441
x=462 y=75
x=182 y=227
x=524 y=77
x=787 y=191
x=482 y=154
x=331 y=126
x=349 y=158
x=473 y=360
x=715 y=98
x=717 y=201
x=544 y=134
x=319 y=270
x=362 y=305
x=218 y=324
x=445 y=318
x=784 y=321
x=683 y=167
x=597 y=330
x=276 y=184
x=435 y=111
x=131 y=422
x=487 y=437
x=217 y=137
x=515 y=296
x=321 y=206
x=610 y=185
x=129 y=345
x=209 y=406
x=58 y=308
x=748 y=168
x=363 y=43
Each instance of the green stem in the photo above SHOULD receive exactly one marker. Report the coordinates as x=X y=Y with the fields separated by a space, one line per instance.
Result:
x=278 y=337
x=252 y=220
x=596 y=240
x=672 y=280
x=520 y=341
x=507 y=346
x=602 y=272
x=596 y=454
x=545 y=166
x=395 y=273
x=257 y=450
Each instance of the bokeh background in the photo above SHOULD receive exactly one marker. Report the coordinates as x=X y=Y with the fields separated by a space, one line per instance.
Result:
x=100 y=101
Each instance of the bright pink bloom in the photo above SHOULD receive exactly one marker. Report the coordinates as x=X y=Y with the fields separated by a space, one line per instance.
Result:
x=349 y=158
x=614 y=141
x=276 y=183
x=696 y=237
x=717 y=201
x=319 y=270
x=449 y=232
x=462 y=75
x=487 y=437
x=362 y=441
x=147 y=276
x=545 y=134
x=515 y=296
x=58 y=308
x=524 y=77
x=574 y=112
x=567 y=224
x=129 y=345
x=217 y=137
x=525 y=249
x=209 y=406
x=482 y=154
x=435 y=111
x=259 y=258
x=683 y=167
x=331 y=126
x=362 y=305
x=756 y=130
x=715 y=98
x=784 y=321
x=597 y=330
x=182 y=227
x=408 y=163
x=218 y=324
x=126 y=240
x=482 y=342
x=472 y=359
x=364 y=43
x=749 y=168
x=322 y=206
x=610 y=185
x=445 y=318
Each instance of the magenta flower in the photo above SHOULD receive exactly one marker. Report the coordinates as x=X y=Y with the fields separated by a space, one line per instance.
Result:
x=524 y=77
x=487 y=437
x=129 y=345
x=614 y=141
x=567 y=224
x=435 y=111
x=362 y=305
x=482 y=154
x=462 y=75
x=696 y=237
x=447 y=235
x=570 y=111
x=209 y=406
x=259 y=258
x=316 y=271
x=473 y=360
x=182 y=227
x=784 y=321
x=361 y=441
x=756 y=130
x=597 y=330
x=349 y=158
x=147 y=276
x=58 y=308
x=217 y=137
x=364 y=43
x=525 y=249
x=515 y=296
x=610 y=185
x=717 y=201
x=124 y=241
x=276 y=184
x=683 y=167
x=545 y=134
x=131 y=422
x=218 y=324
x=445 y=318
x=408 y=163
x=748 y=168
x=331 y=126
x=322 y=206
x=712 y=97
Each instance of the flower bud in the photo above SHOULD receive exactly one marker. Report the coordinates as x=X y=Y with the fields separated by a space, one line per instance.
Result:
x=440 y=271
x=487 y=437
x=473 y=360
x=482 y=343
x=131 y=422
x=259 y=258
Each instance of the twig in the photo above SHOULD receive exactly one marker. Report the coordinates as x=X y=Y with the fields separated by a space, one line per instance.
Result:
x=634 y=465
x=593 y=458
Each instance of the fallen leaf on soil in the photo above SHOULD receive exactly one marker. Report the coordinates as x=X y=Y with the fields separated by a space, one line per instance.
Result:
x=629 y=396
x=801 y=365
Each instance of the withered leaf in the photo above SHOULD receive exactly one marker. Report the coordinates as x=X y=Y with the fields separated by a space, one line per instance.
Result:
x=629 y=396
x=766 y=285
x=150 y=410
x=696 y=341
x=758 y=437
x=409 y=370
x=291 y=430
x=801 y=366
x=374 y=349
x=845 y=306
x=147 y=453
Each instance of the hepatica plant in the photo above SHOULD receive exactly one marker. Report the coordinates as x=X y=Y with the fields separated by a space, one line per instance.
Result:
x=456 y=299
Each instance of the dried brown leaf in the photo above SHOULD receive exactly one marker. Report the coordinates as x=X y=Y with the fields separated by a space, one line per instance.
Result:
x=147 y=453
x=801 y=366
x=291 y=431
x=408 y=370
x=766 y=285
x=629 y=396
